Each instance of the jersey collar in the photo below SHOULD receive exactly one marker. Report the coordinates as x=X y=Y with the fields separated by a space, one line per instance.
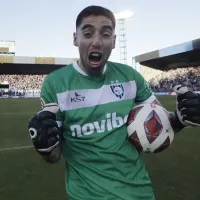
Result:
x=78 y=69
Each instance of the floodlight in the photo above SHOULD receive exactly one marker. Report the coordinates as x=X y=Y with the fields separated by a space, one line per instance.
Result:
x=121 y=17
x=126 y=14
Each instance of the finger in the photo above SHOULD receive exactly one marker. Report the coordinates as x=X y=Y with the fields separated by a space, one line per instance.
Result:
x=187 y=95
x=193 y=119
x=188 y=103
x=49 y=123
x=45 y=115
x=179 y=89
x=52 y=142
x=52 y=132
x=190 y=111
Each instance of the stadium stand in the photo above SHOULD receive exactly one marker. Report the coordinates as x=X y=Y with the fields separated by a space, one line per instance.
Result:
x=179 y=63
x=165 y=81
x=29 y=84
x=23 y=76
x=23 y=82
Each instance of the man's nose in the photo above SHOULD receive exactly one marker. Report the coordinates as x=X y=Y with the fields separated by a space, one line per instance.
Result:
x=96 y=41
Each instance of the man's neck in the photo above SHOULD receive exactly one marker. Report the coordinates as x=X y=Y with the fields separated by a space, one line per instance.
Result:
x=81 y=66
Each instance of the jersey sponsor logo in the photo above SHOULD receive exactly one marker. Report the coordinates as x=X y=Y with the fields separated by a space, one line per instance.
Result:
x=118 y=90
x=77 y=98
x=111 y=122
x=68 y=100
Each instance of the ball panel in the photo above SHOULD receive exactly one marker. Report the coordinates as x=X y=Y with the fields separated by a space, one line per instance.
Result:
x=163 y=146
x=132 y=115
x=151 y=138
x=135 y=141
x=152 y=124
x=148 y=148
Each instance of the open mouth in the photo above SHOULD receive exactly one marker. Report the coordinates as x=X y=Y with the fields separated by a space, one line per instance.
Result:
x=95 y=57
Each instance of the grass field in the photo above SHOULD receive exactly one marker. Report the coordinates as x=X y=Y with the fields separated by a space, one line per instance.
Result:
x=175 y=173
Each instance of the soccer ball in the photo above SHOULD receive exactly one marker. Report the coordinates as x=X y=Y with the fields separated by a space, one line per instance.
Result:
x=149 y=128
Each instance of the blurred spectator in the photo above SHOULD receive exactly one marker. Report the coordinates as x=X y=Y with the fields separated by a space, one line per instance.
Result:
x=165 y=81
x=28 y=82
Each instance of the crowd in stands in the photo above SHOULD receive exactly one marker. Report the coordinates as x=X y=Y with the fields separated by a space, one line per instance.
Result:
x=161 y=83
x=165 y=81
x=23 y=82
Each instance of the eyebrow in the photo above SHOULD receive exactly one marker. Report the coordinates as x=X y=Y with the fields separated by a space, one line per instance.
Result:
x=108 y=27
x=91 y=26
x=86 y=26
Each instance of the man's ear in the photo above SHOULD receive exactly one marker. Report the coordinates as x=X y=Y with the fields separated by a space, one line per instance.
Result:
x=114 y=41
x=75 y=39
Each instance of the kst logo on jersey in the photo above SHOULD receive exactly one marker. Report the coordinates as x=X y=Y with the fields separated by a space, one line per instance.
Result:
x=77 y=98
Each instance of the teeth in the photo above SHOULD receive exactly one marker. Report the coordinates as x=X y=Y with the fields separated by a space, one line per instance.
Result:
x=96 y=54
x=94 y=63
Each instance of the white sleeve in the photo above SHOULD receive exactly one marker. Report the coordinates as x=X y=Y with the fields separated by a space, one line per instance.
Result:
x=149 y=100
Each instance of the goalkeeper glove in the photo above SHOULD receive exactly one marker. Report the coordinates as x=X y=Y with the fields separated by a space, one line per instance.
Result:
x=187 y=106
x=43 y=129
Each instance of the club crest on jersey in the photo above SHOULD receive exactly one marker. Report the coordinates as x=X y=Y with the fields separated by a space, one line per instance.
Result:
x=118 y=90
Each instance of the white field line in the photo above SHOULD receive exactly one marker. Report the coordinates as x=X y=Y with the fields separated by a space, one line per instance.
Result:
x=15 y=113
x=15 y=148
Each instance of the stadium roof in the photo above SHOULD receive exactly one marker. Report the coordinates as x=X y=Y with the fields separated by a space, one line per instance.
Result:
x=35 y=60
x=180 y=55
x=35 y=65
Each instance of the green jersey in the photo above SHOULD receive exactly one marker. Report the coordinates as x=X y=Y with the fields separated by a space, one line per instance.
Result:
x=101 y=164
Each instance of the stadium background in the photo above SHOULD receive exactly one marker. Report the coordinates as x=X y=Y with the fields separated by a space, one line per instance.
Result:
x=175 y=172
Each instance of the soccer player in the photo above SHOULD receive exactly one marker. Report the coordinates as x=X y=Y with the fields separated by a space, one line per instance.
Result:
x=85 y=109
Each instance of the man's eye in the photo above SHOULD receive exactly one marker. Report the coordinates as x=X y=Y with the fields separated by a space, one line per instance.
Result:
x=87 y=35
x=106 y=34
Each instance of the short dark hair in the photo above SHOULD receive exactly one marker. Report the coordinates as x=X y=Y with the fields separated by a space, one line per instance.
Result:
x=97 y=11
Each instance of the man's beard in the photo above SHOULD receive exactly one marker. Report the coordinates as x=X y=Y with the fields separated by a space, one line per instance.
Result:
x=95 y=71
x=90 y=70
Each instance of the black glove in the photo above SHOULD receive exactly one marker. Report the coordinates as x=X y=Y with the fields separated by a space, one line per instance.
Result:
x=188 y=106
x=43 y=129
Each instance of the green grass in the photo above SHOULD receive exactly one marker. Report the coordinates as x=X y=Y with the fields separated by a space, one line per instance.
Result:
x=24 y=175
